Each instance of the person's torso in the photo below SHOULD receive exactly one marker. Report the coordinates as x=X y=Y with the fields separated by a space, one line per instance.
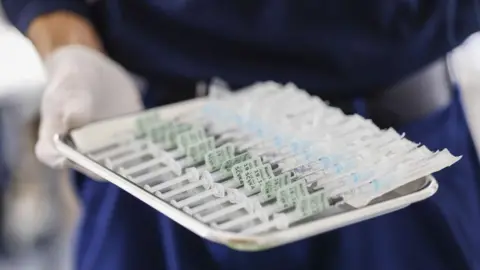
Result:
x=338 y=47
x=118 y=231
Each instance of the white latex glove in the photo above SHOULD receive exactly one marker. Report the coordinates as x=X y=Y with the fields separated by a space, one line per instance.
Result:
x=83 y=86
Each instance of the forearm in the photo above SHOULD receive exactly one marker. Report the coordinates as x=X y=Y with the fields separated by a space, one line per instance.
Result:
x=52 y=23
x=51 y=31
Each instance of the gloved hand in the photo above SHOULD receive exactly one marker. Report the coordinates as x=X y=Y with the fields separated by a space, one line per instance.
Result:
x=83 y=86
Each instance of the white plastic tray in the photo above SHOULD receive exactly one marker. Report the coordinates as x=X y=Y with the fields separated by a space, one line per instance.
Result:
x=80 y=141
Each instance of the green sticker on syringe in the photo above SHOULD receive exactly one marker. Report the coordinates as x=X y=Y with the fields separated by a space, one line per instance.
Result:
x=312 y=205
x=147 y=120
x=191 y=137
x=289 y=195
x=172 y=133
x=226 y=168
x=240 y=168
x=196 y=152
x=268 y=190
x=215 y=158
x=157 y=134
x=252 y=179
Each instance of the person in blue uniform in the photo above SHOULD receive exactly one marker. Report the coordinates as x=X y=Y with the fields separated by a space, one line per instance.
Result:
x=388 y=56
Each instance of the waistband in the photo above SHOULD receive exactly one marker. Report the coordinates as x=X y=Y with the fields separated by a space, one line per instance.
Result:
x=414 y=97
x=417 y=96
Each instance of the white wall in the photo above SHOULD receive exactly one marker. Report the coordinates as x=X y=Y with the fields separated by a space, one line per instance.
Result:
x=22 y=80
x=22 y=77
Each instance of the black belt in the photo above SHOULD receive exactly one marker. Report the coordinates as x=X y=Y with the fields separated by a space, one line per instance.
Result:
x=415 y=97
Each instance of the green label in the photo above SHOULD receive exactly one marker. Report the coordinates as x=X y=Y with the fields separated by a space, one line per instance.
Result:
x=268 y=190
x=227 y=165
x=147 y=120
x=191 y=137
x=289 y=195
x=172 y=133
x=240 y=168
x=197 y=151
x=215 y=158
x=158 y=133
x=255 y=177
x=312 y=205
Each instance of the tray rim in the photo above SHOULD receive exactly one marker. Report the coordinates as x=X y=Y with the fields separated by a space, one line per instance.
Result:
x=235 y=240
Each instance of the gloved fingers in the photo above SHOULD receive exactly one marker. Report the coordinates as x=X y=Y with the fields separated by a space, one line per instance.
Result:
x=61 y=122
x=77 y=113
x=50 y=124
x=121 y=96
x=84 y=86
x=58 y=118
x=47 y=153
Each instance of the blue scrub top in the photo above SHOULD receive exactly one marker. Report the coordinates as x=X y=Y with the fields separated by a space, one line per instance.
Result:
x=441 y=233
x=333 y=48
x=338 y=49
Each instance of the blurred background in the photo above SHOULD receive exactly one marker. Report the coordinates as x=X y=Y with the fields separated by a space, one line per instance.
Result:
x=38 y=209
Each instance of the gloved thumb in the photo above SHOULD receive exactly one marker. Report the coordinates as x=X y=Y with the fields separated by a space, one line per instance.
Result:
x=44 y=148
x=60 y=120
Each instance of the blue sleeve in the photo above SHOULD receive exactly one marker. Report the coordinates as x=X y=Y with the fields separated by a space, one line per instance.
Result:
x=450 y=20
x=22 y=12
